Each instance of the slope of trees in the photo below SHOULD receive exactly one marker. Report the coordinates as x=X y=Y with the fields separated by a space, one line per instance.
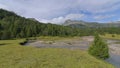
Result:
x=14 y=26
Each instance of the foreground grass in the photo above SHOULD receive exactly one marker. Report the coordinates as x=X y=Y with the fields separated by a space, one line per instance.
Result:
x=12 y=55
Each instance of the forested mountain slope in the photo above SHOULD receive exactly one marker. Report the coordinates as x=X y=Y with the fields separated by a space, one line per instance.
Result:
x=15 y=26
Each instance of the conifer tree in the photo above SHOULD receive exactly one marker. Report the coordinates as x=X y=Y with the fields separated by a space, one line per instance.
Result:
x=99 y=48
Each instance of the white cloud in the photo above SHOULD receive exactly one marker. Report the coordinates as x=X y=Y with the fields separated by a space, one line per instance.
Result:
x=48 y=7
x=3 y=6
x=74 y=16
x=59 y=20
x=100 y=17
x=98 y=6
x=55 y=10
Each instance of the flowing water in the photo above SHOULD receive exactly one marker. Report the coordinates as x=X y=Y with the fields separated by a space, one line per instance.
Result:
x=115 y=60
x=114 y=46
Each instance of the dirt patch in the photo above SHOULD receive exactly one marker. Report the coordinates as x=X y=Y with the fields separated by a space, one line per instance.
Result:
x=82 y=43
x=71 y=44
x=88 y=38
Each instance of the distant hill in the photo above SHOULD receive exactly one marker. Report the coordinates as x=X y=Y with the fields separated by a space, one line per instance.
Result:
x=83 y=24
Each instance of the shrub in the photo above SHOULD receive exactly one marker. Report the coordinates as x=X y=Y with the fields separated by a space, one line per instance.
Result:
x=24 y=42
x=99 y=48
x=113 y=35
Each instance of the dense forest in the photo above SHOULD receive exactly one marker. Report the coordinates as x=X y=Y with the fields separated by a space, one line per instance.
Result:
x=14 y=26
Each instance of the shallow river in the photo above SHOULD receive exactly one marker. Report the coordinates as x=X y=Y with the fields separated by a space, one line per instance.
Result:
x=114 y=52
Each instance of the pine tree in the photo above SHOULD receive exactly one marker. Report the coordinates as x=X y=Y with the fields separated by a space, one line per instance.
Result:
x=99 y=48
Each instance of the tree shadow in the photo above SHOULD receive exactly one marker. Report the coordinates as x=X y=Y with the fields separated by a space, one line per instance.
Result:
x=4 y=44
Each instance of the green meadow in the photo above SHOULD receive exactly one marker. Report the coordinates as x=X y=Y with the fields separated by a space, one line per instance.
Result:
x=111 y=36
x=13 y=55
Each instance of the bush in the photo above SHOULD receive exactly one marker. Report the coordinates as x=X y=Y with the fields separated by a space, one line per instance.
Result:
x=24 y=42
x=113 y=35
x=99 y=48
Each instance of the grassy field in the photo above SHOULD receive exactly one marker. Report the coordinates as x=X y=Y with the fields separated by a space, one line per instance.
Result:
x=13 y=55
x=56 y=38
x=111 y=36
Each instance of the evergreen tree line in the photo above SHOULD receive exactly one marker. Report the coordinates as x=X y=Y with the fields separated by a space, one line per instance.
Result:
x=14 y=26
x=110 y=30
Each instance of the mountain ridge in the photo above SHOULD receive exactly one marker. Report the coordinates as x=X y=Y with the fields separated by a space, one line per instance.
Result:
x=76 y=23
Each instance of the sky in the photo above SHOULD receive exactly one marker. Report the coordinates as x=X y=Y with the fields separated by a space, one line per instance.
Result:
x=58 y=11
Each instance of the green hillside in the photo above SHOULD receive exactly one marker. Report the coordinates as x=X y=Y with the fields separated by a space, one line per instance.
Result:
x=15 y=26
